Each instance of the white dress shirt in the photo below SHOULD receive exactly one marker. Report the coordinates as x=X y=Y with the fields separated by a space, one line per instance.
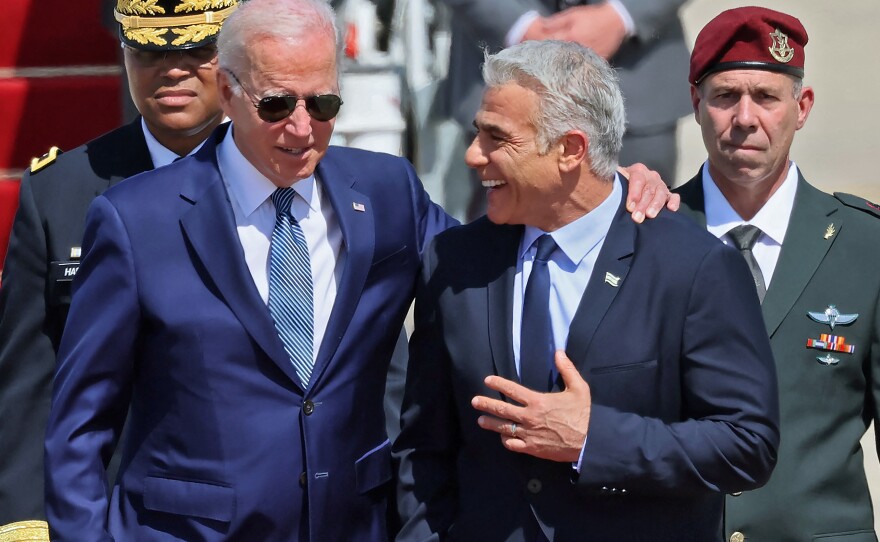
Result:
x=250 y=194
x=772 y=219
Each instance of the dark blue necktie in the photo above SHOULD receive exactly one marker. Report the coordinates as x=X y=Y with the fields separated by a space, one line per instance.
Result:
x=290 y=286
x=536 y=335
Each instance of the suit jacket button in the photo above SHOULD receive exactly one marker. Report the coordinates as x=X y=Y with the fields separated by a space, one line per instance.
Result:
x=737 y=537
x=308 y=408
x=302 y=480
x=736 y=493
x=534 y=486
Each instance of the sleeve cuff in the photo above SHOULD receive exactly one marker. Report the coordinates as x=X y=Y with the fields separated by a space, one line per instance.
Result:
x=518 y=30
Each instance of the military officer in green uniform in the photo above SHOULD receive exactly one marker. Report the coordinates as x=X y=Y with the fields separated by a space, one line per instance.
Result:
x=815 y=259
x=171 y=63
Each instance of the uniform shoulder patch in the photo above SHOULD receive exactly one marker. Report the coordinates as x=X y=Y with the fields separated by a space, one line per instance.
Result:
x=47 y=159
x=858 y=203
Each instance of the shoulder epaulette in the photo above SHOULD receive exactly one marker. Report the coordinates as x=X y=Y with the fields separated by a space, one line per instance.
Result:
x=39 y=163
x=858 y=203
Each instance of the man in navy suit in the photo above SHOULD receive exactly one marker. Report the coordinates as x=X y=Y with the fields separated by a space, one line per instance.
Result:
x=172 y=79
x=227 y=440
x=234 y=434
x=662 y=393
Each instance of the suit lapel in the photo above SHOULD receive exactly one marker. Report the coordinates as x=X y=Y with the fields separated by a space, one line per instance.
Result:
x=611 y=268
x=358 y=233
x=803 y=249
x=502 y=252
x=693 y=204
x=209 y=226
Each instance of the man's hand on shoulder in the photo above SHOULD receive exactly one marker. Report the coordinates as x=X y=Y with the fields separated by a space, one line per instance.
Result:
x=647 y=193
x=548 y=425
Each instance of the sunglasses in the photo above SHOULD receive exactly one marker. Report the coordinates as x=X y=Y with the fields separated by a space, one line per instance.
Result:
x=196 y=57
x=322 y=107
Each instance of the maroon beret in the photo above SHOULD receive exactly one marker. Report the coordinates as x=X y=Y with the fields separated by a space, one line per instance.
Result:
x=749 y=38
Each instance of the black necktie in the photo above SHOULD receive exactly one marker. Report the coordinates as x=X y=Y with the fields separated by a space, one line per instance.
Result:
x=536 y=335
x=744 y=238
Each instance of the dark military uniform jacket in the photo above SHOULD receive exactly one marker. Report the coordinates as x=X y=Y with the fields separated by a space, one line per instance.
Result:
x=35 y=296
x=828 y=395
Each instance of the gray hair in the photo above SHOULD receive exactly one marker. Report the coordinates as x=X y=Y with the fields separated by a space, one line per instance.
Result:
x=577 y=90
x=286 y=20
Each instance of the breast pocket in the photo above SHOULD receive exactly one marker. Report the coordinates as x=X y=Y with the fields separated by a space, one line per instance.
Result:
x=631 y=386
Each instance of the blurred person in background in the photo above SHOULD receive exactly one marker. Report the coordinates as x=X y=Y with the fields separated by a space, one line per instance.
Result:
x=643 y=41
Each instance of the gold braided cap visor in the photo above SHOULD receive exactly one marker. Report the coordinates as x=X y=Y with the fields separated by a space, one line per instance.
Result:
x=179 y=32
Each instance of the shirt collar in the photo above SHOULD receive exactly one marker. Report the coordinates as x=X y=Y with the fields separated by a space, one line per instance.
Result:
x=159 y=153
x=578 y=238
x=250 y=187
x=772 y=218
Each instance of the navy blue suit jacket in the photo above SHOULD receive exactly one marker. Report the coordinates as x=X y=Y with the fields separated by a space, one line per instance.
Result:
x=224 y=443
x=682 y=379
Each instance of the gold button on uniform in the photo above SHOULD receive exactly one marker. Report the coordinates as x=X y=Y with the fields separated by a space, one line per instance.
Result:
x=737 y=537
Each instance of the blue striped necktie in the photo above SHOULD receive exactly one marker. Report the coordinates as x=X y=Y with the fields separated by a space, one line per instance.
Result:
x=290 y=286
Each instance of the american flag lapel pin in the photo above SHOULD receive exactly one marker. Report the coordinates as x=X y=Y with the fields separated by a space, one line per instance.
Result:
x=360 y=207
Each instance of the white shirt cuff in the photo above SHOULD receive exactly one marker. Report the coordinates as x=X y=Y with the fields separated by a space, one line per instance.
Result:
x=518 y=30
x=627 y=19
x=577 y=466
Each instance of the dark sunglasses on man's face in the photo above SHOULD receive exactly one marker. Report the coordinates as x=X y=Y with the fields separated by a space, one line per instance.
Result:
x=322 y=107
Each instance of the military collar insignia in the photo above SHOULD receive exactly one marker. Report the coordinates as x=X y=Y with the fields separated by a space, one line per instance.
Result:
x=781 y=51
x=830 y=231
x=832 y=317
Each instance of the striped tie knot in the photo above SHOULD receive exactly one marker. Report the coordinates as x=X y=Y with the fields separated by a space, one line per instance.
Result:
x=282 y=198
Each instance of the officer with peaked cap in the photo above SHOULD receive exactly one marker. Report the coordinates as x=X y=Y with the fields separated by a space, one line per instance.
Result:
x=814 y=259
x=170 y=60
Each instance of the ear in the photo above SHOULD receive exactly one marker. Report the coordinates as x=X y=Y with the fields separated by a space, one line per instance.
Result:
x=695 y=101
x=805 y=105
x=225 y=90
x=574 y=147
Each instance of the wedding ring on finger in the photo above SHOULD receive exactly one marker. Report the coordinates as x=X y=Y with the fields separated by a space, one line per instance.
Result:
x=513 y=430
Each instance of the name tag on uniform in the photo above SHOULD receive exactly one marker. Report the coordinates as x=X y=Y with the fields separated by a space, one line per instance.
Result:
x=63 y=271
x=60 y=277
